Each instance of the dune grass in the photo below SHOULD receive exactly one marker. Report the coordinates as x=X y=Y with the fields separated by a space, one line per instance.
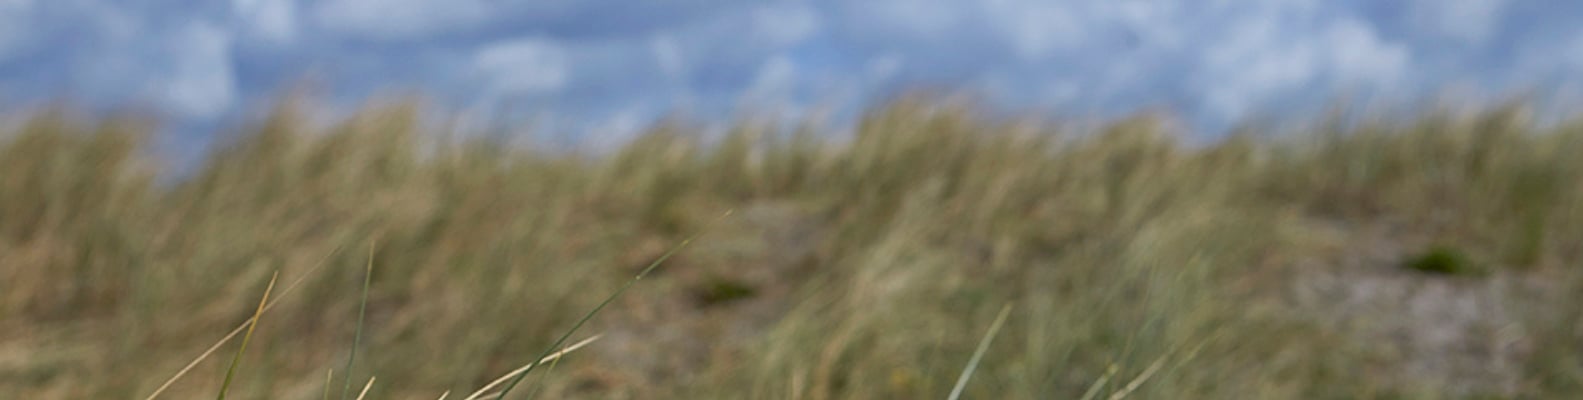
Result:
x=978 y=354
x=357 y=337
x=1142 y=264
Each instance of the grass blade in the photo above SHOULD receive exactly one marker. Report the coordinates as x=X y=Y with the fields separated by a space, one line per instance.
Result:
x=329 y=379
x=1154 y=367
x=253 y=322
x=367 y=386
x=444 y=395
x=1142 y=377
x=608 y=300
x=1093 y=390
x=538 y=383
x=238 y=330
x=357 y=338
x=978 y=354
x=478 y=394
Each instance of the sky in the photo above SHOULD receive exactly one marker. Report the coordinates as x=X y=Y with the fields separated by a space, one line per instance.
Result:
x=608 y=67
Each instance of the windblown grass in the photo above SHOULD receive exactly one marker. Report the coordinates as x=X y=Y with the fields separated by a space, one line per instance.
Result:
x=861 y=268
x=978 y=354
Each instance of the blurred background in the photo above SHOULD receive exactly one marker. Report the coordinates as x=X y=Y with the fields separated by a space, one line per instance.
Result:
x=1177 y=199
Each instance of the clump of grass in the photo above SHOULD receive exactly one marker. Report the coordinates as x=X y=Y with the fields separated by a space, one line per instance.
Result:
x=719 y=290
x=590 y=314
x=1444 y=260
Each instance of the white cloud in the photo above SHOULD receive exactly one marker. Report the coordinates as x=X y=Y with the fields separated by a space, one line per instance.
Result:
x=400 y=19
x=884 y=67
x=1154 y=23
x=117 y=22
x=1573 y=53
x=1219 y=58
x=1035 y=29
x=774 y=79
x=1562 y=55
x=905 y=19
x=785 y=24
x=668 y=54
x=271 y=20
x=14 y=26
x=199 y=83
x=523 y=66
x=1061 y=92
x=1250 y=65
x=1356 y=54
x=1471 y=21
x=1260 y=62
x=613 y=129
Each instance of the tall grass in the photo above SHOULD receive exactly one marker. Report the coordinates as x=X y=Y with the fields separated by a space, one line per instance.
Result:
x=853 y=269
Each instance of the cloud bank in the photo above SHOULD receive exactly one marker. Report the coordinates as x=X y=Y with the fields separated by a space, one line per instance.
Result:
x=617 y=64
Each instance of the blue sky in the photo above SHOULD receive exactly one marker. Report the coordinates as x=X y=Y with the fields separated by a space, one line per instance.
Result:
x=610 y=66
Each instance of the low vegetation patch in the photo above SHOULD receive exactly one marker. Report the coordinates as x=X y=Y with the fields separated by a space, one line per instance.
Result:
x=1444 y=260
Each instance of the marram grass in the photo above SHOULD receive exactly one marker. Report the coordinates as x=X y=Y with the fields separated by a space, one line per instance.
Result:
x=859 y=267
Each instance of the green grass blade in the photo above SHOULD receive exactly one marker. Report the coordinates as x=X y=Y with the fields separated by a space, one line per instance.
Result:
x=608 y=300
x=539 y=382
x=1093 y=390
x=1141 y=378
x=238 y=329
x=481 y=392
x=237 y=360
x=978 y=354
x=357 y=338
